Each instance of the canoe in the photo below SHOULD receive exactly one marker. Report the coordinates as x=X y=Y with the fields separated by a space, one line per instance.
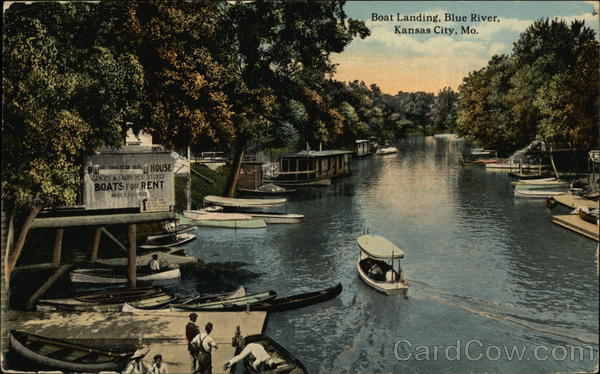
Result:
x=101 y=297
x=242 y=203
x=151 y=302
x=296 y=301
x=179 y=240
x=252 y=223
x=238 y=292
x=67 y=356
x=285 y=362
x=227 y=305
x=204 y=215
x=377 y=250
x=106 y=275
x=541 y=183
x=537 y=194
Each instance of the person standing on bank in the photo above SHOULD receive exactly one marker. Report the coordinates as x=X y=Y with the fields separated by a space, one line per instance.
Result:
x=205 y=344
x=191 y=331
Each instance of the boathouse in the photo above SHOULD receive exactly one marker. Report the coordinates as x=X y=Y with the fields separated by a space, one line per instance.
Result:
x=312 y=167
x=363 y=148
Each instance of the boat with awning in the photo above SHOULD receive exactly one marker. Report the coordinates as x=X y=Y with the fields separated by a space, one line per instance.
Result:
x=379 y=265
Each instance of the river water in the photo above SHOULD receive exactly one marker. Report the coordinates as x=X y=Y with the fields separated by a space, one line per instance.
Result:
x=491 y=277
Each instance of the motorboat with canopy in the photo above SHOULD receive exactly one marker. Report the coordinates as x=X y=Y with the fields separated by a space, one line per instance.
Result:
x=379 y=265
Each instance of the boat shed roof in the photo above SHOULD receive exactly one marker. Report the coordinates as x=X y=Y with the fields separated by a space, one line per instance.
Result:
x=379 y=247
x=332 y=152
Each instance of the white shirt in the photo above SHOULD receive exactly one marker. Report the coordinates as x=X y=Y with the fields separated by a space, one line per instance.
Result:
x=136 y=367
x=154 y=265
x=257 y=350
x=156 y=370
x=207 y=341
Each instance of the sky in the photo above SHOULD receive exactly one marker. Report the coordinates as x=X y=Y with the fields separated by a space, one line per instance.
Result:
x=429 y=62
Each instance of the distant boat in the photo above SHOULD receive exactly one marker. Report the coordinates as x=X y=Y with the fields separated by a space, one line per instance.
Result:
x=109 y=275
x=376 y=262
x=66 y=355
x=285 y=362
x=386 y=151
x=242 y=203
x=297 y=301
x=541 y=183
x=168 y=232
x=268 y=189
x=252 y=223
x=537 y=194
x=226 y=305
x=525 y=176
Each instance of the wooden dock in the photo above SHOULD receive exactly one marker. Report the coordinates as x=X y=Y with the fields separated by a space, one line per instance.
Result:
x=575 y=223
x=162 y=333
x=574 y=201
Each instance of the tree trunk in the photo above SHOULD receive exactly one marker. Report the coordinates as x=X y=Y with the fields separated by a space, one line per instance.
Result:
x=235 y=170
x=13 y=254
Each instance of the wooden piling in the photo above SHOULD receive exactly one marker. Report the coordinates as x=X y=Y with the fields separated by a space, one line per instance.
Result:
x=57 y=247
x=96 y=244
x=131 y=258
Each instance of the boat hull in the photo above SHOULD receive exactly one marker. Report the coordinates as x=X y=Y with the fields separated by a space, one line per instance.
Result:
x=287 y=363
x=252 y=223
x=88 y=276
x=297 y=301
x=17 y=344
x=386 y=288
x=537 y=194
x=313 y=182
x=227 y=305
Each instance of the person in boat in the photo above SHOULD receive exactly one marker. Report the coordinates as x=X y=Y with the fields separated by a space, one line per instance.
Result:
x=158 y=367
x=262 y=359
x=375 y=271
x=191 y=331
x=204 y=344
x=154 y=264
x=136 y=365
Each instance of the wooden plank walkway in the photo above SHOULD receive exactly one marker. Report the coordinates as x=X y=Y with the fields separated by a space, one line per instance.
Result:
x=574 y=201
x=575 y=223
x=163 y=333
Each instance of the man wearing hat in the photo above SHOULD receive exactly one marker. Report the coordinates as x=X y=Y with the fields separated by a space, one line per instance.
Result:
x=191 y=330
x=205 y=344
x=137 y=365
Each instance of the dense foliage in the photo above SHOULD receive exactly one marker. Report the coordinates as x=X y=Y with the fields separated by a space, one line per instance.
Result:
x=547 y=88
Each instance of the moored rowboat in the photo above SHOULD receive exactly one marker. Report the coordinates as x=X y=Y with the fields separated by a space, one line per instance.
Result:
x=242 y=203
x=537 y=194
x=103 y=275
x=296 y=301
x=226 y=305
x=238 y=292
x=67 y=356
x=285 y=362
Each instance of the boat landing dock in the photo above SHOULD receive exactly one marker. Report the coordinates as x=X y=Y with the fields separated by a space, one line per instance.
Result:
x=574 y=201
x=575 y=223
x=162 y=333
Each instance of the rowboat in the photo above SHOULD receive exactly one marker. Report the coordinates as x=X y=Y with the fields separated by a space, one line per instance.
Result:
x=205 y=215
x=284 y=361
x=102 y=297
x=242 y=203
x=107 y=275
x=589 y=215
x=151 y=302
x=253 y=223
x=269 y=189
x=537 y=194
x=169 y=231
x=322 y=181
x=237 y=293
x=386 y=151
x=67 y=356
x=226 y=305
x=296 y=301
x=376 y=265
x=542 y=183
x=173 y=241
x=275 y=217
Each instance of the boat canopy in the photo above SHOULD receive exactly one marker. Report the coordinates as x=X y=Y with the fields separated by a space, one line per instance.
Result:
x=379 y=247
x=242 y=203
